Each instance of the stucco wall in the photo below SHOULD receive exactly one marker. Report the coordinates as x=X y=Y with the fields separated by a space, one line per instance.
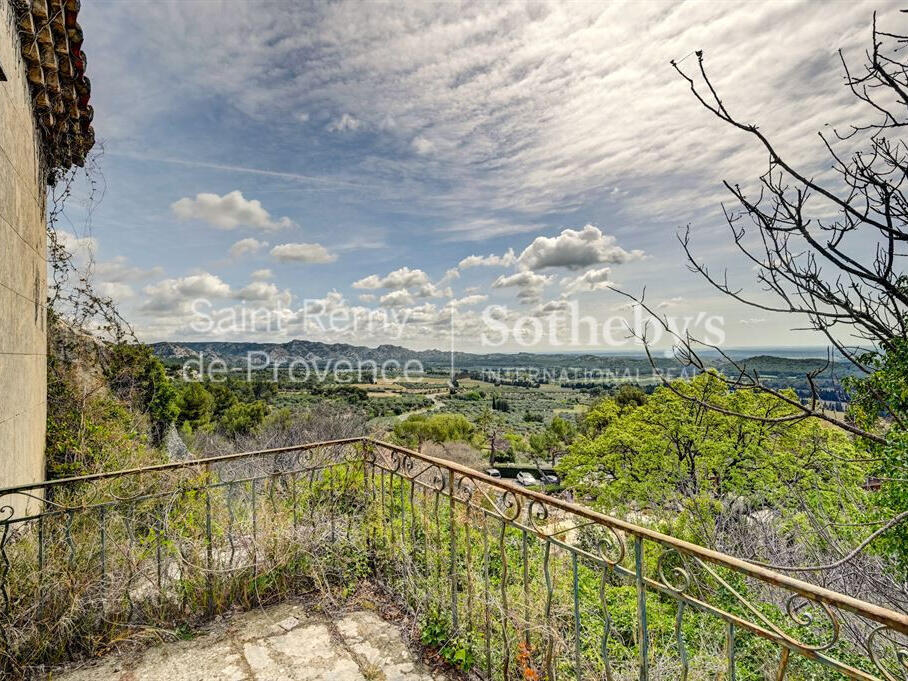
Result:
x=23 y=275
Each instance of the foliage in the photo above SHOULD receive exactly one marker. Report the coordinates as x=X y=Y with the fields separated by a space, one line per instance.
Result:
x=554 y=440
x=629 y=395
x=138 y=377
x=676 y=455
x=243 y=417
x=419 y=428
x=458 y=650
x=880 y=402
x=90 y=427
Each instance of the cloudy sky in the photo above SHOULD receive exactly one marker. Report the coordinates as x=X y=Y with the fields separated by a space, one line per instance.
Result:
x=399 y=162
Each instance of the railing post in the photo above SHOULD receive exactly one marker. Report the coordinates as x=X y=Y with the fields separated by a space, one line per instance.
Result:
x=642 y=636
x=730 y=649
x=453 y=549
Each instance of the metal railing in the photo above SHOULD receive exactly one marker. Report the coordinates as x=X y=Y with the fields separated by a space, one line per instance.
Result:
x=504 y=581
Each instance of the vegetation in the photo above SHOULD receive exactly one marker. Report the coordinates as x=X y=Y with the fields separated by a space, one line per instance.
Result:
x=693 y=470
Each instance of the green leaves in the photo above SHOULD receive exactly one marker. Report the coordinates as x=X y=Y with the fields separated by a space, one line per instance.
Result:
x=675 y=456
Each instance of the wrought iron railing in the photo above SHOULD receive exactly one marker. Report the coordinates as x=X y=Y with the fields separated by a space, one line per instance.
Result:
x=504 y=581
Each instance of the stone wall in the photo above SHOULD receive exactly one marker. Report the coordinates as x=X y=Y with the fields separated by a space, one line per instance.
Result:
x=23 y=273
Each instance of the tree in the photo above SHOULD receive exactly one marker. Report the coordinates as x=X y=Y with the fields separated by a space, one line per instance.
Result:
x=224 y=397
x=491 y=425
x=554 y=440
x=629 y=395
x=243 y=418
x=686 y=461
x=196 y=406
x=417 y=429
x=138 y=377
x=830 y=252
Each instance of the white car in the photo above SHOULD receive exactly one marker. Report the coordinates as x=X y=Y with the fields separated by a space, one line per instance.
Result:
x=526 y=479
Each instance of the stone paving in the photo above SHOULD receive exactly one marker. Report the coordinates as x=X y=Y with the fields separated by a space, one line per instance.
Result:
x=273 y=644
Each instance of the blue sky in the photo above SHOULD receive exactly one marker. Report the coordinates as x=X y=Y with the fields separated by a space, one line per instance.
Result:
x=360 y=154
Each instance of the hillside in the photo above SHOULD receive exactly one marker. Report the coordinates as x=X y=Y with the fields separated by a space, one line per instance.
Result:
x=236 y=353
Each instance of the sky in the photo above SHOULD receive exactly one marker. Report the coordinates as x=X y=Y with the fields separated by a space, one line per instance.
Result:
x=394 y=173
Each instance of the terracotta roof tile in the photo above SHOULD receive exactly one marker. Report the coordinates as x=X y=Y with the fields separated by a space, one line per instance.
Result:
x=51 y=43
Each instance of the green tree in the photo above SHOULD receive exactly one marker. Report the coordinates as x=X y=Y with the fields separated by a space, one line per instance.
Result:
x=629 y=396
x=674 y=455
x=418 y=429
x=243 y=417
x=224 y=397
x=196 y=406
x=554 y=440
x=138 y=377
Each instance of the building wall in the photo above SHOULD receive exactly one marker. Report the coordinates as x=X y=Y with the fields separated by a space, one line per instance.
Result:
x=23 y=275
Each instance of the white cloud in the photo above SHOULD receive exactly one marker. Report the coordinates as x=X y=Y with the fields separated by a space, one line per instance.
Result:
x=247 y=247
x=115 y=290
x=81 y=248
x=591 y=280
x=534 y=109
x=574 y=249
x=399 y=298
x=466 y=301
x=301 y=252
x=367 y=297
x=506 y=260
x=257 y=290
x=228 y=212
x=344 y=123
x=524 y=279
x=551 y=307
x=176 y=294
x=398 y=279
x=421 y=145
x=262 y=275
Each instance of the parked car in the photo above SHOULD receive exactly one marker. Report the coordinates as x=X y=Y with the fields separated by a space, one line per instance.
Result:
x=493 y=472
x=526 y=479
x=549 y=479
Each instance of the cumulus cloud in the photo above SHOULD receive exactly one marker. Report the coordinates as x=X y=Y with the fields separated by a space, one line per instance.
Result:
x=229 y=211
x=247 y=247
x=262 y=275
x=466 y=301
x=398 y=279
x=491 y=260
x=302 y=252
x=591 y=280
x=551 y=307
x=524 y=279
x=176 y=294
x=399 y=298
x=258 y=290
x=530 y=285
x=574 y=249
x=343 y=124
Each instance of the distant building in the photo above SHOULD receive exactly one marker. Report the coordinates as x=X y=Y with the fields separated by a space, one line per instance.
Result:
x=45 y=128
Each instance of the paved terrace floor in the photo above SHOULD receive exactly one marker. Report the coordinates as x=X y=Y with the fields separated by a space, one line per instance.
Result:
x=273 y=644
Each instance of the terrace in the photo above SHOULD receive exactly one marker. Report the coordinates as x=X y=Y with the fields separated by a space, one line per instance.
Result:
x=502 y=581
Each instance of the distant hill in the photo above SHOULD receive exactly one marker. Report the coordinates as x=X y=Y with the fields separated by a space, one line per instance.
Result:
x=314 y=352
x=320 y=354
x=769 y=365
